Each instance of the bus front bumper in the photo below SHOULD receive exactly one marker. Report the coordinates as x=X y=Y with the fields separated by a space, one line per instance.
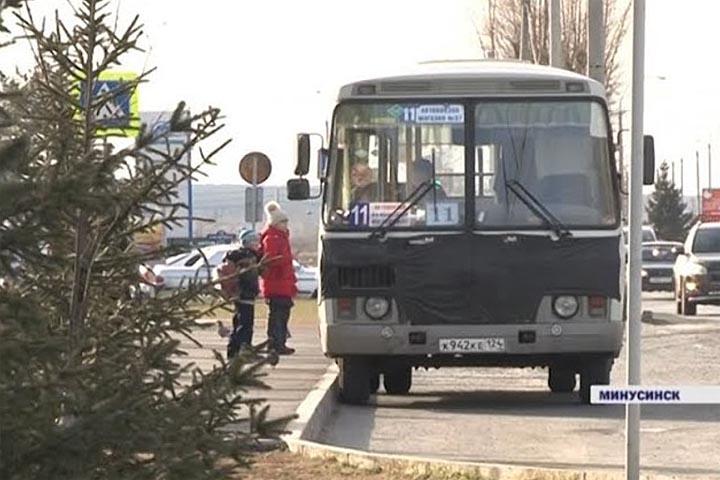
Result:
x=535 y=342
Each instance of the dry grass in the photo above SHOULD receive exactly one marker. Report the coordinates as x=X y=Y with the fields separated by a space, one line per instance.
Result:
x=305 y=312
x=281 y=464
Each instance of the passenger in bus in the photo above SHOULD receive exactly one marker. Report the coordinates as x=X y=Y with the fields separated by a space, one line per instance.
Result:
x=364 y=188
x=423 y=172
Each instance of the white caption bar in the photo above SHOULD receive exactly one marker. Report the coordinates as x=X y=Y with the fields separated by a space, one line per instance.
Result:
x=687 y=394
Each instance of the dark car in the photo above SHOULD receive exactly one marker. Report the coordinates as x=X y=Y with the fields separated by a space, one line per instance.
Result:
x=658 y=259
x=697 y=269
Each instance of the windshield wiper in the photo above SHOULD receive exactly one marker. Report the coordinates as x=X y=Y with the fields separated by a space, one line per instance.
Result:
x=412 y=200
x=538 y=208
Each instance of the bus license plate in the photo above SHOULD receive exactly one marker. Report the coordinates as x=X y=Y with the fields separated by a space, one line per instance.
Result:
x=472 y=345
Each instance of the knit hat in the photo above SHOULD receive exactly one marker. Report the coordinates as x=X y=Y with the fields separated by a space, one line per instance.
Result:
x=246 y=236
x=275 y=214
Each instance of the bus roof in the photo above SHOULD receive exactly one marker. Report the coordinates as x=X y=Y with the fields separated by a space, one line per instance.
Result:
x=470 y=78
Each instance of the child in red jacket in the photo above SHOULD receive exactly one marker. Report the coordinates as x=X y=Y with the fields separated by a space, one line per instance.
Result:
x=278 y=282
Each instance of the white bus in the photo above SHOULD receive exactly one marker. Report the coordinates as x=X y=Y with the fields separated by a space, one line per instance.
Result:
x=470 y=217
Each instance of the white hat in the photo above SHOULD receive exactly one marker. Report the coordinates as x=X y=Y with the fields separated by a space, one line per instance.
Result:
x=274 y=213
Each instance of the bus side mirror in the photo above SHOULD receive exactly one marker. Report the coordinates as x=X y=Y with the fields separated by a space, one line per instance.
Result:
x=323 y=157
x=303 y=154
x=648 y=160
x=298 y=189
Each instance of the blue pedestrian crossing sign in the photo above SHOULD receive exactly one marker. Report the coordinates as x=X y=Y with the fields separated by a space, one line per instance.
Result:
x=114 y=103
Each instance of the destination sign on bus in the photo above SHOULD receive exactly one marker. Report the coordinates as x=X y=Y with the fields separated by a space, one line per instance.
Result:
x=438 y=113
x=373 y=214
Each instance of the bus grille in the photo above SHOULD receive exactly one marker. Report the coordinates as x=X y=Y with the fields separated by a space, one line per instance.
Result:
x=374 y=276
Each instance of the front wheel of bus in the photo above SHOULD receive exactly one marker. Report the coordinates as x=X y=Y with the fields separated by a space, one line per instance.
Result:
x=561 y=380
x=354 y=380
x=595 y=372
x=398 y=380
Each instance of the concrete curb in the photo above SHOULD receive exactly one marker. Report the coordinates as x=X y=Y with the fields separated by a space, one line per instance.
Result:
x=314 y=412
x=421 y=466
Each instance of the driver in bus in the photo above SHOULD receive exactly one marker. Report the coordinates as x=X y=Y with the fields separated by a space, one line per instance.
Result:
x=364 y=189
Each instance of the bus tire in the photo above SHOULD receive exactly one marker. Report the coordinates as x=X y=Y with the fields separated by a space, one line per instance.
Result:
x=561 y=379
x=398 y=381
x=594 y=372
x=354 y=380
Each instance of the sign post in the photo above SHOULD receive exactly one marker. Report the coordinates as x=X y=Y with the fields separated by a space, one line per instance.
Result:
x=255 y=168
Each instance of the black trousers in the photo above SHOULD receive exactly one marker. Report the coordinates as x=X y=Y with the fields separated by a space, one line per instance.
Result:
x=243 y=325
x=278 y=317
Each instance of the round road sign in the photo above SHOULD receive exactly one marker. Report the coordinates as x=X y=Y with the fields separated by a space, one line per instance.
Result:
x=255 y=166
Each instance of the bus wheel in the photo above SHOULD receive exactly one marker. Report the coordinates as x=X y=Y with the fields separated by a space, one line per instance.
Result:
x=561 y=380
x=594 y=372
x=354 y=380
x=398 y=380
x=374 y=383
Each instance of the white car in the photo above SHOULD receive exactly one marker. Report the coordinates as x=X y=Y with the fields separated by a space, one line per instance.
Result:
x=194 y=266
x=179 y=270
x=648 y=234
x=307 y=279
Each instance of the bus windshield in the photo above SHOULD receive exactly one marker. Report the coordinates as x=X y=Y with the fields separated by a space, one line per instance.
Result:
x=556 y=150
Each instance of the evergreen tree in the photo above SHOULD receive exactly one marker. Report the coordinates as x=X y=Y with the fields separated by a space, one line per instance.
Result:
x=91 y=381
x=666 y=209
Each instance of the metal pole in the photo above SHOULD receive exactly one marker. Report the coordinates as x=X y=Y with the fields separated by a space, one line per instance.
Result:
x=697 y=178
x=621 y=146
x=709 y=167
x=682 y=176
x=596 y=40
x=673 y=173
x=190 y=197
x=556 y=53
x=254 y=192
x=634 y=327
x=525 y=50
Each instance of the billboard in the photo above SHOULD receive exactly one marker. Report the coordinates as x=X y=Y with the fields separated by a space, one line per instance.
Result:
x=710 y=211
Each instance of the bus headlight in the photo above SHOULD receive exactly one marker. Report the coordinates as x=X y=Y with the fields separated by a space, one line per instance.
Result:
x=566 y=306
x=377 y=307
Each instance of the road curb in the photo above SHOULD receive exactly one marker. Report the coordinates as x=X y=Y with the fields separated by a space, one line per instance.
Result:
x=314 y=412
x=423 y=466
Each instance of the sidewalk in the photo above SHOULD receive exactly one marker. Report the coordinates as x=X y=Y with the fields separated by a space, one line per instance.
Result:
x=293 y=377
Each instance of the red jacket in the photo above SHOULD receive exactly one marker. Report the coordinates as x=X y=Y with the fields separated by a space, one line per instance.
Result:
x=278 y=276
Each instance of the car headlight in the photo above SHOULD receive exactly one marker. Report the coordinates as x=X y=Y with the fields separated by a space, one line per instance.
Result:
x=644 y=273
x=692 y=268
x=377 y=307
x=566 y=306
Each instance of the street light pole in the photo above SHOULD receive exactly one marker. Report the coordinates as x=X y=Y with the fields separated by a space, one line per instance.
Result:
x=709 y=166
x=697 y=178
x=634 y=327
x=596 y=40
x=682 y=177
x=556 y=52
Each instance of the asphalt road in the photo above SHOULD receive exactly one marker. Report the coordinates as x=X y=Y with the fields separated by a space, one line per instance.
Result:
x=509 y=416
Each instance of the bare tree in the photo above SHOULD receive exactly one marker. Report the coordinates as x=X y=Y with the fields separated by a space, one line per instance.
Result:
x=501 y=33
